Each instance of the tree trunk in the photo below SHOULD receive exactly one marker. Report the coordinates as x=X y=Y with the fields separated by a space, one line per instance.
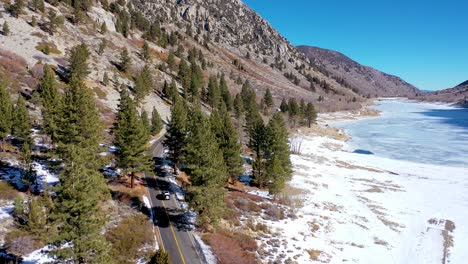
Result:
x=132 y=179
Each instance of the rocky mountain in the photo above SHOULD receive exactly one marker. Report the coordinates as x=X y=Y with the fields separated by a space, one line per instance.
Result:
x=457 y=94
x=362 y=79
x=245 y=46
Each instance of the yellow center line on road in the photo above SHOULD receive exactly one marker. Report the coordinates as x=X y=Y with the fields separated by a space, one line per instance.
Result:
x=173 y=234
x=171 y=227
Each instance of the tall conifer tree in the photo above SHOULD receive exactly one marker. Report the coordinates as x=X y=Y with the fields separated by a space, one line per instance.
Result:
x=6 y=110
x=130 y=137
x=51 y=102
x=77 y=214
x=156 y=122
x=208 y=173
x=79 y=56
x=176 y=132
x=21 y=121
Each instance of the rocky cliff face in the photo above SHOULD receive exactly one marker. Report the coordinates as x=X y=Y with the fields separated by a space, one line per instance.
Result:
x=228 y=22
x=363 y=79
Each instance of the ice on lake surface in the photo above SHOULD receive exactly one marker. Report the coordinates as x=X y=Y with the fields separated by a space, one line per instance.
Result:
x=420 y=132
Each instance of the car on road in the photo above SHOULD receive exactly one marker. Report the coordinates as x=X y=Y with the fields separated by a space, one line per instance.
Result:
x=165 y=195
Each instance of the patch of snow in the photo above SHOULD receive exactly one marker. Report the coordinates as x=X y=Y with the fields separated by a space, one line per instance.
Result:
x=261 y=193
x=206 y=250
x=148 y=205
x=6 y=210
x=370 y=209
x=44 y=176
x=38 y=257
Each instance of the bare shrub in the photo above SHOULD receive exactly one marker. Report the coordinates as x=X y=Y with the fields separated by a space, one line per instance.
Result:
x=37 y=71
x=20 y=243
x=296 y=146
x=129 y=237
x=228 y=248
x=276 y=213
x=11 y=65
x=13 y=57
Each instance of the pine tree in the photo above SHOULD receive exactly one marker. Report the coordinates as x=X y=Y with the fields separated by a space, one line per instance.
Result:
x=174 y=92
x=21 y=121
x=229 y=143
x=176 y=132
x=143 y=84
x=51 y=102
x=6 y=110
x=171 y=62
x=293 y=110
x=196 y=82
x=125 y=60
x=105 y=79
x=145 y=52
x=238 y=106
x=302 y=109
x=213 y=93
x=78 y=14
x=37 y=217
x=79 y=56
x=33 y=21
x=278 y=144
x=79 y=125
x=268 y=98
x=17 y=8
x=185 y=77
x=225 y=94
x=156 y=122
x=284 y=107
x=102 y=47
x=6 y=29
x=310 y=114
x=103 y=28
x=206 y=169
x=146 y=122
x=28 y=176
x=130 y=137
x=277 y=175
x=77 y=214
x=41 y=6
x=257 y=142
x=161 y=257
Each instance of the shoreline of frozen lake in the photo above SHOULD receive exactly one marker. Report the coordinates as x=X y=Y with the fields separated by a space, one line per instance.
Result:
x=375 y=208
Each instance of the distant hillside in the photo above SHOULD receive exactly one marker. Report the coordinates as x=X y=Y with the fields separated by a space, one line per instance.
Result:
x=457 y=94
x=361 y=79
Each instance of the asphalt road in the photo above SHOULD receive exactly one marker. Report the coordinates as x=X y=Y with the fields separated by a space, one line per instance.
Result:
x=174 y=233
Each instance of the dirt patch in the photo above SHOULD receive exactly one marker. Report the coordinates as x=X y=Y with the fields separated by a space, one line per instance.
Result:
x=447 y=227
x=322 y=131
x=379 y=241
x=343 y=164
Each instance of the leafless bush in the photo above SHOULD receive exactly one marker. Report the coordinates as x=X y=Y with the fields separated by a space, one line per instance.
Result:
x=37 y=71
x=13 y=57
x=296 y=146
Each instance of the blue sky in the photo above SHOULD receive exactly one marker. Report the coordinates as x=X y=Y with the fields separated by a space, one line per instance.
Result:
x=424 y=42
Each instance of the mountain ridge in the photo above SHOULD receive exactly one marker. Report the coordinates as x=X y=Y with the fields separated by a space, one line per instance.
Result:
x=365 y=79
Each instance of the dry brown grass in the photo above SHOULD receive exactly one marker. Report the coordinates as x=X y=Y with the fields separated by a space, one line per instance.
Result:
x=7 y=192
x=100 y=93
x=232 y=247
x=48 y=48
x=122 y=192
x=379 y=241
x=314 y=254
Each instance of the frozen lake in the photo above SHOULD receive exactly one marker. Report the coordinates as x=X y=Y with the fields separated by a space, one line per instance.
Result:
x=419 y=132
